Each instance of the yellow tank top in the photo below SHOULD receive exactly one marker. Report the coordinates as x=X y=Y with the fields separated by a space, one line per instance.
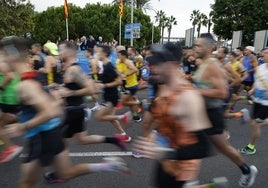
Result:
x=235 y=67
x=130 y=80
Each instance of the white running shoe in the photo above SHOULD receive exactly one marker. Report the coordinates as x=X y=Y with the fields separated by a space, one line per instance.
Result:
x=118 y=164
x=247 y=180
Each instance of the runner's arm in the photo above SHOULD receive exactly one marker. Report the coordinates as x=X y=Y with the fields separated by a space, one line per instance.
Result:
x=216 y=78
x=45 y=106
x=74 y=74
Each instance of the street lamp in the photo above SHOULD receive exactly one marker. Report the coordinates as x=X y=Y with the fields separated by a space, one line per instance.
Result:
x=132 y=9
x=153 y=25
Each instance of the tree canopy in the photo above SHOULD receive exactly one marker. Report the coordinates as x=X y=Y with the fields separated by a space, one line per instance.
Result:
x=93 y=19
x=16 y=17
x=246 y=15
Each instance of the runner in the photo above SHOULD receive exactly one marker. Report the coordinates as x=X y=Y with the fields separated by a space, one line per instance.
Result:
x=9 y=106
x=210 y=81
x=94 y=69
x=53 y=67
x=110 y=81
x=39 y=63
x=260 y=108
x=233 y=82
x=39 y=124
x=128 y=71
x=179 y=113
x=76 y=86
x=250 y=63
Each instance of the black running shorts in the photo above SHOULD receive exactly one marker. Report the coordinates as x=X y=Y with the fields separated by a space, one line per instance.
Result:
x=259 y=112
x=45 y=146
x=74 y=121
x=216 y=117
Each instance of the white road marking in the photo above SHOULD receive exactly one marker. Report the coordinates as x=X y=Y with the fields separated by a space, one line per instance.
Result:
x=94 y=154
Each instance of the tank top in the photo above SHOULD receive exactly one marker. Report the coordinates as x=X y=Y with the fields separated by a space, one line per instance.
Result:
x=131 y=80
x=74 y=100
x=41 y=77
x=28 y=112
x=9 y=95
x=55 y=75
x=248 y=66
x=202 y=84
x=261 y=85
x=235 y=67
x=167 y=126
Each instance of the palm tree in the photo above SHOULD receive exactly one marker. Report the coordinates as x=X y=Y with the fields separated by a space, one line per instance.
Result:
x=203 y=21
x=161 y=18
x=194 y=17
x=211 y=14
x=170 y=22
x=198 y=19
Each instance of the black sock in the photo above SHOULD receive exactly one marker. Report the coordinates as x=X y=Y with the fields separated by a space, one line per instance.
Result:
x=245 y=168
x=116 y=141
x=111 y=140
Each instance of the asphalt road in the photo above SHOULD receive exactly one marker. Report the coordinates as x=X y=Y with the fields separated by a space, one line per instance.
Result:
x=142 y=169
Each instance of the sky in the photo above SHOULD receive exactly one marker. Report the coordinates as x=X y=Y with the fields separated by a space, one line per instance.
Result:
x=180 y=9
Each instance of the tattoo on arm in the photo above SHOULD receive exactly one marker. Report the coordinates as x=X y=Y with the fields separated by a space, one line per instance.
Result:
x=78 y=77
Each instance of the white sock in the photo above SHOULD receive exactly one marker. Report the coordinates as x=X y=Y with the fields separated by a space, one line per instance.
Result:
x=101 y=167
x=123 y=133
x=120 y=117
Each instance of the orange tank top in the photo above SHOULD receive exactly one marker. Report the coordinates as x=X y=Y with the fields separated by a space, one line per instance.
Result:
x=169 y=127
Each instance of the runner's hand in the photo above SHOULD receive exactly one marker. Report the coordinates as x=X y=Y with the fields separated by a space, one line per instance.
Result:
x=65 y=92
x=14 y=130
x=148 y=147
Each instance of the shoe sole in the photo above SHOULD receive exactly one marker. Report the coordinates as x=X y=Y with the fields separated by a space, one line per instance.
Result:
x=12 y=155
x=246 y=153
x=254 y=172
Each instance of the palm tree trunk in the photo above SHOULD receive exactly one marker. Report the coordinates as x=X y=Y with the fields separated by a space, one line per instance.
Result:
x=209 y=26
x=193 y=31
x=198 y=30
x=162 y=35
x=169 y=32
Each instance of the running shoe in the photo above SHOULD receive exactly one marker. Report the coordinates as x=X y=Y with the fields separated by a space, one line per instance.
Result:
x=137 y=118
x=119 y=105
x=137 y=155
x=246 y=116
x=51 y=178
x=247 y=180
x=120 y=142
x=10 y=153
x=95 y=108
x=118 y=164
x=247 y=151
x=88 y=114
x=126 y=118
x=123 y=137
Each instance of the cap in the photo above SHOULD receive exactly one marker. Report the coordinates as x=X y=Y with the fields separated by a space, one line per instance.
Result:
x=52 y=47
x=154 y=59
x=250 y=48
x=166 y=52
x=15 y=46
